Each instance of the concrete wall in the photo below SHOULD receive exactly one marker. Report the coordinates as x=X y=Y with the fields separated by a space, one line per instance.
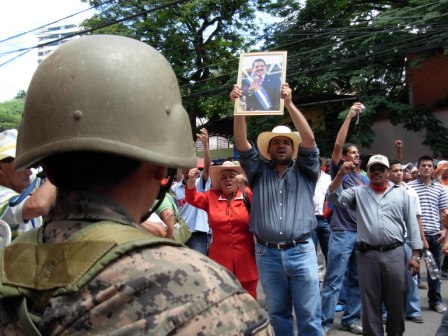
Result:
x=386 y=134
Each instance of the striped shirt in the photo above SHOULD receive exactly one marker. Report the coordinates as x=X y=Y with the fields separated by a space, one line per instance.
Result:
x=433 y=199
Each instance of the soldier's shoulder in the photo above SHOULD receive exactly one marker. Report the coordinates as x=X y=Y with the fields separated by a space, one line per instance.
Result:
x=168 y=290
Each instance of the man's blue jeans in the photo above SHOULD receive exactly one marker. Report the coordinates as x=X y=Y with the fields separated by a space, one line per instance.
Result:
x=321 y=235
x=289 y=278
x=341 y=256
x=434 y=286
x=199 y=241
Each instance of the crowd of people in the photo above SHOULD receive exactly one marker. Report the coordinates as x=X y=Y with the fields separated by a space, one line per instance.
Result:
x=80 y=222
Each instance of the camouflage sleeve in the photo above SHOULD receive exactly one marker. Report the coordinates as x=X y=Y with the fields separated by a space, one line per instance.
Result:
x=8 y=319
x=159 y=291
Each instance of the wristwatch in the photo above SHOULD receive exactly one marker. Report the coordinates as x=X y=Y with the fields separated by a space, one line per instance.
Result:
x=416 y=258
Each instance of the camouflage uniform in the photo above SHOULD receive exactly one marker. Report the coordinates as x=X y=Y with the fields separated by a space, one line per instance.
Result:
x=142 y=293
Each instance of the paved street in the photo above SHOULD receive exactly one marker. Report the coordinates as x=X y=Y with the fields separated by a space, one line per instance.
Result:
x=431 y=318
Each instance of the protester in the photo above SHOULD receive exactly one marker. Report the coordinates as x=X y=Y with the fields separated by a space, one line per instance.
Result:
x=21 y=213
x=413 y=309
x=99 y=117
x=342 y=272
x=385 y=214
x=321 y=233
x=232 y=244
x=283 y=178
x=196 y=219
x=433 y=201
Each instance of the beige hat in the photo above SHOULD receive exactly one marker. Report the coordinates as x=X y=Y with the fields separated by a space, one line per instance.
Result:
x=8 y=141
x=378 y=159
x=265 y=138
x=215 y=171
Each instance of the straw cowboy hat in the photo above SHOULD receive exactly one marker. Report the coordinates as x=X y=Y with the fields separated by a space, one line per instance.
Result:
x=265 y=138
x=215 y=171
x=8 y=141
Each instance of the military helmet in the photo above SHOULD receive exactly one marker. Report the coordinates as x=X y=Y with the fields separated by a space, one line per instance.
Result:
x=105 y=93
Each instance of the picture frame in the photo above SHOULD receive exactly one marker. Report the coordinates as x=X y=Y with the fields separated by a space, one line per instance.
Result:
x=261 y=84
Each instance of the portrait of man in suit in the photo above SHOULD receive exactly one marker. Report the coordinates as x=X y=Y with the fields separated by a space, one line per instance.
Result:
x=261 y=79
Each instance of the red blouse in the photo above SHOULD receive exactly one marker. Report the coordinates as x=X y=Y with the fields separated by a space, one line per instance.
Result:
x=232 y=244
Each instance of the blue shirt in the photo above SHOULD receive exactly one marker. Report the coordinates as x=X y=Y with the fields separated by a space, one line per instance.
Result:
x=282 y=206
x=343 y=219
x=196 y=219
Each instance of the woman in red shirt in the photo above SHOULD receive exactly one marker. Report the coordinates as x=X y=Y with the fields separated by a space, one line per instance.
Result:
x=232 y=244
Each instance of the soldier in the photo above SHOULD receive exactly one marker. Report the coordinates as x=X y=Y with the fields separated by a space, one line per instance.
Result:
x=110 y=120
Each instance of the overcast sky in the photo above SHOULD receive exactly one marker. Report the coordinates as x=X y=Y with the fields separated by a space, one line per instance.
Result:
x=18 y=16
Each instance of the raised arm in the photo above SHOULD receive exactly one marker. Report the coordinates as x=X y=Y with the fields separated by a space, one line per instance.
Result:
x=399 y=150
x=342 y=134
x=203 y=137
x=239 y=124
x=40 y=201
x=299 y=120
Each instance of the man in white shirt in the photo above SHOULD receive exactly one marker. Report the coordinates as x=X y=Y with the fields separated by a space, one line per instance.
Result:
x=24 y=214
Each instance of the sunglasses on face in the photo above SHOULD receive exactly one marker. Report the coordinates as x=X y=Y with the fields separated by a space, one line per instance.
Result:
x=380 y=169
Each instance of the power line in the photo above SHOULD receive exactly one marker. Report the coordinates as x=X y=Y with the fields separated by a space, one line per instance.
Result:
x=90 y=30
x=51 y=23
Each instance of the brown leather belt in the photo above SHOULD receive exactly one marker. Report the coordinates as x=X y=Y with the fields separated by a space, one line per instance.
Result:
x=287 y=244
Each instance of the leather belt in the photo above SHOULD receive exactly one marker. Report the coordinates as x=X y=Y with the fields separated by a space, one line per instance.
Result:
x=287 y=244
x=320 y=217
x=382 y=248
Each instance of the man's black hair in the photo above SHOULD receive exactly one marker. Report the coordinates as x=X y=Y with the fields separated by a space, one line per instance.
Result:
x=425 y=158
x=87 y=170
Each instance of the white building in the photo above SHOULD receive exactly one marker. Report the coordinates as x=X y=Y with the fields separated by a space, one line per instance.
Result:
x=49 y=38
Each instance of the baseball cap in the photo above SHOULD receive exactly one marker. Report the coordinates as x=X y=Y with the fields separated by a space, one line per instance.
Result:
x=407 y=166
x=378 y=159
x=8 y=140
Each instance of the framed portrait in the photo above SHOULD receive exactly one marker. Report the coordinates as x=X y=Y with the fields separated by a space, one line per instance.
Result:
x=260 y=76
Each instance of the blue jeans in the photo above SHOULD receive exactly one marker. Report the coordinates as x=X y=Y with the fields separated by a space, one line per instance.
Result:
x=321 y=235
x=199 y=241
x=434 y=295
x=341 y=257
x=413 y=297
x=289 y=278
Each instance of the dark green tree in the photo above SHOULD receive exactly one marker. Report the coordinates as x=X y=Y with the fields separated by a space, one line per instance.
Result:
x=202 y=39
x=361 y=48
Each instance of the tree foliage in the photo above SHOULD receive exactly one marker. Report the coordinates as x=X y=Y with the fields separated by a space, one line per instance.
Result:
x=346 y=47
x=200 y=38
x=361 y=48
x=11 y=114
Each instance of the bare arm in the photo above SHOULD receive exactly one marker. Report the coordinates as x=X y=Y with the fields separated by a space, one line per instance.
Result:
x=342 y=134
x=156 y=228
x=40 y=201
x=345 y=168
x=239 y=124
x=193 y=174
x=399 y=150
x=167 y=216
x=203 y=137
x=422 y=233
x=299 y=120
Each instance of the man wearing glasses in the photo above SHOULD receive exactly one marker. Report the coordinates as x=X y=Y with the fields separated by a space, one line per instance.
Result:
x=384 y=214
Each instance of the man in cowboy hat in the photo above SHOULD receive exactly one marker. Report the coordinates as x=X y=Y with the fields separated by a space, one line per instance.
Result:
x=24 y=214
x=283 y=179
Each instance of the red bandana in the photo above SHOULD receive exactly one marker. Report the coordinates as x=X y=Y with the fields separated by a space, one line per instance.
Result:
x=379 y=188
